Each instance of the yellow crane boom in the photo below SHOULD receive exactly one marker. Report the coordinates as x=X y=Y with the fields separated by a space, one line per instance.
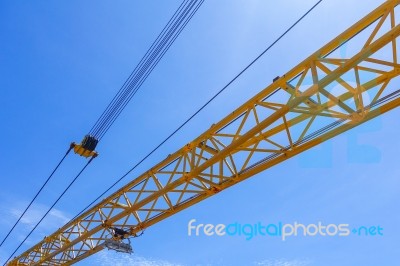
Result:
x=311 y=103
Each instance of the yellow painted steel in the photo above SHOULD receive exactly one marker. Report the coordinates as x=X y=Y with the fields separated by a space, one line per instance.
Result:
x=80 y=150
x=318 y=99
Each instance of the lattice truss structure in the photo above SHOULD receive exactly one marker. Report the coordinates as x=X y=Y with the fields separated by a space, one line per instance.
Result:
x=350 y=80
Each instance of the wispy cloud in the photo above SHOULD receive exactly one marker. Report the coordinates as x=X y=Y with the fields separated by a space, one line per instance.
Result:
x=118 y=259
x=106 y=258
x=13 y=210
x=10 y=213
x=284 y=262
x=35 y=213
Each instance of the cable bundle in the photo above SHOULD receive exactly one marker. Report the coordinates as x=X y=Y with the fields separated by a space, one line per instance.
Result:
x=149 y=61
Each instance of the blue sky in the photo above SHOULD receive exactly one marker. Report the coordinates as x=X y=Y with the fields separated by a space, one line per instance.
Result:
x=62 y=62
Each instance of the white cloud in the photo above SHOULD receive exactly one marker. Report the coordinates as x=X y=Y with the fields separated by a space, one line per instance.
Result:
x=59 y=215
x=54 y=219
x=10 y=214
x=283 y=262
x=108 y=258
x=13 y=210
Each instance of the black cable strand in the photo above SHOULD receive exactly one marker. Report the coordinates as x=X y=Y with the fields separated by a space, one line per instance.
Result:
x=34 y=198
x=134 y=71
x=112 y=103
x=201 y=108
x=144 y=71
x=137 y=87
x=52 y=206
x=142 y=68
x=143 y=74
x=128 y=95
x=131 y=85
